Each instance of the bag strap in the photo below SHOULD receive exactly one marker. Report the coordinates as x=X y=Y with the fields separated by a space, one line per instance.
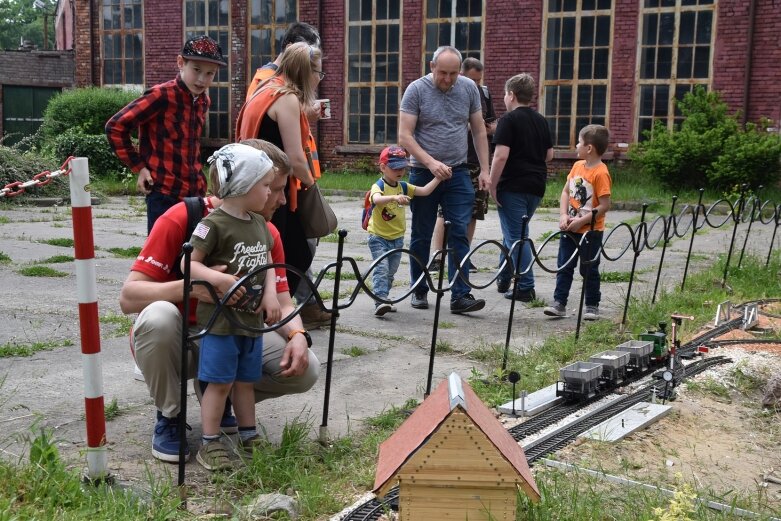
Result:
x=196 y=206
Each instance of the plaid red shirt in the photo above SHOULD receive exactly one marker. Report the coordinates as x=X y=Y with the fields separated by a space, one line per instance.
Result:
x=169 y=121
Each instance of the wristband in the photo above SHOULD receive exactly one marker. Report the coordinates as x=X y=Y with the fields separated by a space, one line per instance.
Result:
x=303 y=332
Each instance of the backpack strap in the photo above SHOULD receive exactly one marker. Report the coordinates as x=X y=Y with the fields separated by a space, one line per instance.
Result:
x=196 y=206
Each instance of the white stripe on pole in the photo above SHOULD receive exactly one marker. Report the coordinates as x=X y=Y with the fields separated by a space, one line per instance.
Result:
x=86 y=289
x=92 y=368
x=80 y=195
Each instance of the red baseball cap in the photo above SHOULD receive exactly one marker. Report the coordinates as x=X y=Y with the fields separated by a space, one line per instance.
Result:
x=394 y=156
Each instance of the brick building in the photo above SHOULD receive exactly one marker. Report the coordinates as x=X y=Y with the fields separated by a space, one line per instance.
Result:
x=617 y=62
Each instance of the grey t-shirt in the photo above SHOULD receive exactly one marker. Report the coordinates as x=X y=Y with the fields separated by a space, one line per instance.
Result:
x=443 y=117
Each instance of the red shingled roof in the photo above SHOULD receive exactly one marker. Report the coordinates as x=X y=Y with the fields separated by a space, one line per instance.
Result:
x=426 y=420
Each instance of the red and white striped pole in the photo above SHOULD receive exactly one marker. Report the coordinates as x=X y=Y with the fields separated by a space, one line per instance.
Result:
x=89 y=326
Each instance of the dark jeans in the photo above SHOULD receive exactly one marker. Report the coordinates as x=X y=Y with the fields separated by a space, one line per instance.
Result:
x=457 y=197
x=591 y=249
x=156 y=205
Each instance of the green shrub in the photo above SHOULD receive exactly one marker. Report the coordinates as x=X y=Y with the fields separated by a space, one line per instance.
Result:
x=103 y=163
x=753 y=158
x=85 y=109
x=710 y=149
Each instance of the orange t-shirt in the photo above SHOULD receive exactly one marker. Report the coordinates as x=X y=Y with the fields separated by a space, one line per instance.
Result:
x=586 y=186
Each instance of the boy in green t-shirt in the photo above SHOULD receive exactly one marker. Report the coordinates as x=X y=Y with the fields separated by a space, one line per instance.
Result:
x=388 y=222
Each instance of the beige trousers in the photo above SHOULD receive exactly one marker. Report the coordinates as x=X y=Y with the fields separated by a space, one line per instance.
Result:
x=157 y=335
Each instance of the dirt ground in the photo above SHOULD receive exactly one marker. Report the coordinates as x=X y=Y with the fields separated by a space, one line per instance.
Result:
x=717 y=436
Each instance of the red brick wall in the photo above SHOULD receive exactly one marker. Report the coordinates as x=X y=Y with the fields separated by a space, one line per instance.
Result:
x=163 y=39
x=765 y=83
x=622 y=73
x=513 y=30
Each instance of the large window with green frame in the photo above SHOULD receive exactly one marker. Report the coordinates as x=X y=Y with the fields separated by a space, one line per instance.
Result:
x=212 y=17
x=675 y=55
x=122 y=42
x=373 y=71
x=575 y=77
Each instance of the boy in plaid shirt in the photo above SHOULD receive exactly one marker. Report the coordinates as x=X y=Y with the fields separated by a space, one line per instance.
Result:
x=169 y=118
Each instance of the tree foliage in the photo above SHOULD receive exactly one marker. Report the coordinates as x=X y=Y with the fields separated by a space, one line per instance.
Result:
x=19 y=20
x=711 y=149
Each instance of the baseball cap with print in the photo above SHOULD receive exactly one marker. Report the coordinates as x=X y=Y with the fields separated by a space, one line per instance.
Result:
x=395 y=157
x=203 y=48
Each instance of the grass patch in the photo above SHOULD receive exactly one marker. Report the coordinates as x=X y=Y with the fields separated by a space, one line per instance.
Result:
x=614 y=276
x=4 y=219
x=446 y=325
x=112 y=410
x=65 y=243
x=56 y=259
x=545 y=235
x=41 y=271
x=331 y=237
x=709 y=386
x=10 y=349
x=123 y=322
x=127 y=253
x=354 y=351
x=4 y=259
x=444 y=346
x=44 y=487
x=345 y=275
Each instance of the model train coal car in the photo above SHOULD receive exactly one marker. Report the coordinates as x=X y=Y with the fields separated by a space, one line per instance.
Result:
x=609 y=369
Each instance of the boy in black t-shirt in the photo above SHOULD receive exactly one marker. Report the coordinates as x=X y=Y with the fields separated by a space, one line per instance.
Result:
x=517 y=179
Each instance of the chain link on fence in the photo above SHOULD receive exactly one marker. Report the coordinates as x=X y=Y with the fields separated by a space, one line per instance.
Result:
x=42 y=179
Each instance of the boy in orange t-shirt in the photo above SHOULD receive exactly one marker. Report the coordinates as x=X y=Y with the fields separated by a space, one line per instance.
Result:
x=587 y=189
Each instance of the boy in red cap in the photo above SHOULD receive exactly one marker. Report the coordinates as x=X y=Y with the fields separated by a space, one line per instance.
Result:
x=169 y=118
x=387 y=223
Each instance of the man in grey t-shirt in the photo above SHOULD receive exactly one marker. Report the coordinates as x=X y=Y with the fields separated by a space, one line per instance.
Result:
x=435 y=113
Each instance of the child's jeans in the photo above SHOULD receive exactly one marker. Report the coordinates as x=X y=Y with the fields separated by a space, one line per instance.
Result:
x=382 y=277
x=514 y=206
x=591 y=249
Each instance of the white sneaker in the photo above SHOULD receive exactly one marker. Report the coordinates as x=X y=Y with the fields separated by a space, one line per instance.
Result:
x=137 y=374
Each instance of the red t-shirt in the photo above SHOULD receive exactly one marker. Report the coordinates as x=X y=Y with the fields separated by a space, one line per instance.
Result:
x=164 y=244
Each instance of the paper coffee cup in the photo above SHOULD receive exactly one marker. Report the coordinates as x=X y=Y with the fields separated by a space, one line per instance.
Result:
x=325 y=108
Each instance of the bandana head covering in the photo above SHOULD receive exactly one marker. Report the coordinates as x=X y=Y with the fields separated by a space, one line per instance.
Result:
x=239 y=167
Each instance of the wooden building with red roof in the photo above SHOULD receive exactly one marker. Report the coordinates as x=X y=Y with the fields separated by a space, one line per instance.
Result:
x=452 y=459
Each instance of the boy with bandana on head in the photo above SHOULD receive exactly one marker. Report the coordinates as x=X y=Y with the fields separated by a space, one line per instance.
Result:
x=235 y=236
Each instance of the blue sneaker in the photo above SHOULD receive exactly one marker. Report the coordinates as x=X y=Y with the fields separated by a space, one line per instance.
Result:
x=165 y=440
x=229 y=424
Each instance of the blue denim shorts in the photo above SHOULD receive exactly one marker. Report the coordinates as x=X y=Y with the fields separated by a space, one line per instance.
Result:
x=230 y=358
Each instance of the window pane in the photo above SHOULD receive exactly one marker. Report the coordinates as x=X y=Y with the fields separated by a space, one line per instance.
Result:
x=587 y=31
x=686 y=32
x=704 y=26
x=585 y=69
x=685 y=59
x=567 y=64
x=602 y=36
x=666 y=28
x=701 y=62
x=601 y=59
x=664 y=62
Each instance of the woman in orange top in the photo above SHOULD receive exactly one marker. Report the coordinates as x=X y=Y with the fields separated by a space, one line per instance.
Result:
x=275 y=113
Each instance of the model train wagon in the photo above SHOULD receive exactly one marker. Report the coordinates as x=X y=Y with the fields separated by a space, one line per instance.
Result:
x=607 y=370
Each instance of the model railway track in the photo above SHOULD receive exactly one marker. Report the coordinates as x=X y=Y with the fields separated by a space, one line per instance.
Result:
x=374 y=508
x=563 y=437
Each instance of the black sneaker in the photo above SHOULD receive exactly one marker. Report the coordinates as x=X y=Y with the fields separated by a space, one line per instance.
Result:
x=524 y=295
x=466 y=304
x=472 y=268
x=502 y=285
x=419 y=301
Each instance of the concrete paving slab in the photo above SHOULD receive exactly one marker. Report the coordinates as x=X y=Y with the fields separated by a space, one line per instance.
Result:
x=534 y=404
x=633 y=419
